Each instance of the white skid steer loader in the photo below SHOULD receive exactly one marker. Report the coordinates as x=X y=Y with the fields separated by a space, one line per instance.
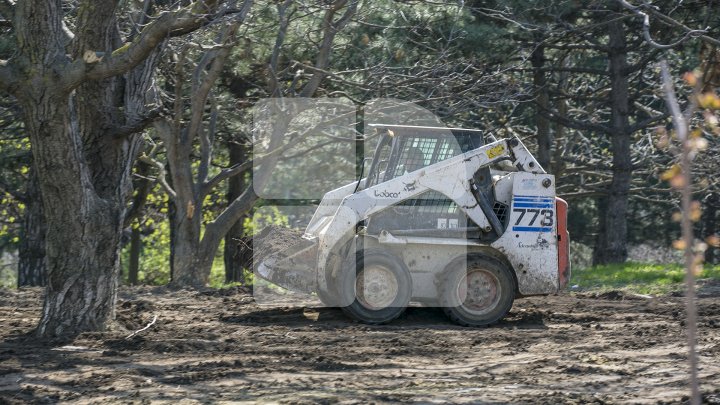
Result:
x=441 y=219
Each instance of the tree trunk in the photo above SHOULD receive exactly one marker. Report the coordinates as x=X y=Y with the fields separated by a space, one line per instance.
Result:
x=134 y=265
x=238 y=251
x=83 y=230
x=612 y=243
x=31 y=266
x=83 y=165
x=542 y=103
x=709 y=224
x=187 y=267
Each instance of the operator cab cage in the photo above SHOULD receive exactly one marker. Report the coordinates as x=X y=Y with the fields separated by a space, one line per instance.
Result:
x=404 y=148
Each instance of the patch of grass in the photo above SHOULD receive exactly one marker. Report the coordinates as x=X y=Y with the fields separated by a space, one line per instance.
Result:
x=642 y=278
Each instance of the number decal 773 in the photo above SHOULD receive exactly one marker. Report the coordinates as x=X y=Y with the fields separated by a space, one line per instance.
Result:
x=546 y=217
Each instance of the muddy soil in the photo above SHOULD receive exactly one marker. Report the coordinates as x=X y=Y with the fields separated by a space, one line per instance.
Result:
x=219 y=345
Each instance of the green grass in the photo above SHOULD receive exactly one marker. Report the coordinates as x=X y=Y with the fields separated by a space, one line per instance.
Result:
x=642 y=278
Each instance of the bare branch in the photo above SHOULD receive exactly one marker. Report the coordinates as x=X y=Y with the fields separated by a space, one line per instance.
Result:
x=202 y=87
x=143 y=329
x=162 y=175
x=570 y=123
x=141 y=195
x=227 y=219
x=279 y=40
x=206 y=144
x=131 y=54
x=330 y=28
x=680 y=122
x=646 y=123
x=689 y=32
x=136 y=126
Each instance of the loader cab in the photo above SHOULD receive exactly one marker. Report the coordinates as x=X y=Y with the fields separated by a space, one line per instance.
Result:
x=404 y=149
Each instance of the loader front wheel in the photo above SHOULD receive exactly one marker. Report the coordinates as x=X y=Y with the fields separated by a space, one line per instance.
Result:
x=379 y=288
x=479 y=294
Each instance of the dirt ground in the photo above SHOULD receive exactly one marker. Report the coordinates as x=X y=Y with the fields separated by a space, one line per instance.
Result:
x=220 y=346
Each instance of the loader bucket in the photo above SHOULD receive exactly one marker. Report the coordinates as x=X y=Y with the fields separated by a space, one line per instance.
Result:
x=292 y=267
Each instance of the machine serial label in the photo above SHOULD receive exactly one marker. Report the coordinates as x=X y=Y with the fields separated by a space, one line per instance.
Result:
x=495 y=151
x=534 y=213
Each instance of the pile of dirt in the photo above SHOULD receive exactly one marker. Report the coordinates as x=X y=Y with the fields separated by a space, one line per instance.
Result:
x=272 y=240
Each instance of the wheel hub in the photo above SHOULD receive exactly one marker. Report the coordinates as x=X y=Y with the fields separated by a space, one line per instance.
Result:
x=479 y=291
x=376 y=287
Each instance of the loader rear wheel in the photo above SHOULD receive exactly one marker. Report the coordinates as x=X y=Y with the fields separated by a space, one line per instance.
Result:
x=479 y=294
x=379 y=289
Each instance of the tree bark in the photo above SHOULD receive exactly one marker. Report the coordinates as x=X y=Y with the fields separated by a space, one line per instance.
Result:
x=612 y=243
x=134 y=265
x=709 y=222
x=83 y=229
x=31 y=266
x=187 y=265
x=238 y=249
x=71 y=103
x=542 y=102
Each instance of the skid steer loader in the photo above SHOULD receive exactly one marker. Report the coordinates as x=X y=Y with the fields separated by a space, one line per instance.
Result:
x=441 y=219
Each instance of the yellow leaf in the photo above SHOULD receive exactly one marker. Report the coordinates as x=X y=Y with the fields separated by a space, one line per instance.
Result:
x=690 y=78
x=678 y=181
x=679 y=244
x=709 y=100
x=713 y=240
x=695 y=211
x=670 y=173
x=677 y=216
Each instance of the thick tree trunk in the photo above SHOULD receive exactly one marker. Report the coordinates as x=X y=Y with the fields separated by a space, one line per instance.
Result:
x=238 y=251
x=542 y=103
x=612 y=243
x=31 y=266
x=83 y=165
x=83 y=230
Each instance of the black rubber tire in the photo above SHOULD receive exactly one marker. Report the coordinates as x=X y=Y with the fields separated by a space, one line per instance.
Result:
x=493 y=271
x=347 y=283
